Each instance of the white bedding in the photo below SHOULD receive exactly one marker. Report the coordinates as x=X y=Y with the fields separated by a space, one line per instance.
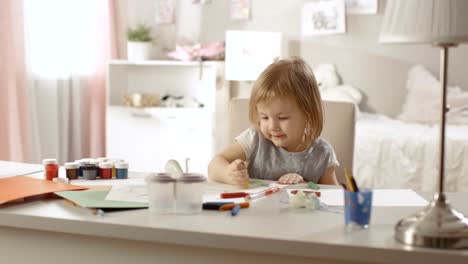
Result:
x=393 y=154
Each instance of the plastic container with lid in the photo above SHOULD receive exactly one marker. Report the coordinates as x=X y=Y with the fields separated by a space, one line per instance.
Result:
x=51 y=169
x=161 y=193
x=121 y=170
x=71 y=169
x=189 y=193
x=105 y=170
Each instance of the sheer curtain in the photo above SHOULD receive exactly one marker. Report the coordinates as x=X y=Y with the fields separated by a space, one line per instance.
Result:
x=14 y=137
x=68 y=44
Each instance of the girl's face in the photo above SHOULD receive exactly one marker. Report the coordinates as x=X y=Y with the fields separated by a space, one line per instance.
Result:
x=282 y=123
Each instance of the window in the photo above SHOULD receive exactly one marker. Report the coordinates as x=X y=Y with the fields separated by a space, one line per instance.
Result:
x=60 y=36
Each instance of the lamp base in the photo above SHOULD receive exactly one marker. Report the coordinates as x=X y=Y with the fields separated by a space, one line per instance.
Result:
x=436 y=226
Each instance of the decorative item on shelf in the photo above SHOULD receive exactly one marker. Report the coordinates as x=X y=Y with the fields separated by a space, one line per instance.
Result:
x=180 y=101
x=139 y=45
x=190 y=51
x=442 y=24
x=141 y=100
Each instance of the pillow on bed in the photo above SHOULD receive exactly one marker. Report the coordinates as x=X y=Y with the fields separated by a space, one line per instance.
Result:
x=423 y=99
x=329 y=83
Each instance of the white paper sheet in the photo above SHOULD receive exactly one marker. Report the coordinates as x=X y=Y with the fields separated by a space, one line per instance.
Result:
x=134 y=190
x=380 y=197
x=8 y=168
x=129 y=193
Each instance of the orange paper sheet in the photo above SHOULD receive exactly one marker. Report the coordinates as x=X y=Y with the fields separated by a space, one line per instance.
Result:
x=13 y=188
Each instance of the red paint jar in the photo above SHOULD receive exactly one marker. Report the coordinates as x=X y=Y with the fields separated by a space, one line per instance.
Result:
x=51 y=169
x=105 y=170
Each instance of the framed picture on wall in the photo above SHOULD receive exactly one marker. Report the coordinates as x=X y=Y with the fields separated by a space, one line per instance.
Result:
x=164 y=11
x=361 y=6
x=323 y=17
x=240 y=9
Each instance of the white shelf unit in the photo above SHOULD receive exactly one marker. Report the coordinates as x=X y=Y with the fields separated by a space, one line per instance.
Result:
x=148 y=137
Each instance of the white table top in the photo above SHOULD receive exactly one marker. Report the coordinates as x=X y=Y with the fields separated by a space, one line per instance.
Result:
x=268 y=226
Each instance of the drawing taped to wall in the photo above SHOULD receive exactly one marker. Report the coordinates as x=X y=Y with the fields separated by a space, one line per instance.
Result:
x=164 y=11
x=323 y=17
x=240 y=9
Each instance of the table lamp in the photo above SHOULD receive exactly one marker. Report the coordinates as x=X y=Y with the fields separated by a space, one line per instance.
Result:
x=443 y=24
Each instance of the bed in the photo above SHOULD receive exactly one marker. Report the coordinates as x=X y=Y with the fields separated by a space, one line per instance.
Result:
x=391 y=153
x=403 y=152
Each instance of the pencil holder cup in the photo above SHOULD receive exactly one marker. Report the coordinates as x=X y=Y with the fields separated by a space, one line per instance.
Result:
x=357 y=208
x=161 y=193
x=189 y=192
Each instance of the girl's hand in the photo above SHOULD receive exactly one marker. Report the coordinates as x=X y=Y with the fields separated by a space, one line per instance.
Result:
x=290 y=178
x=236 y=173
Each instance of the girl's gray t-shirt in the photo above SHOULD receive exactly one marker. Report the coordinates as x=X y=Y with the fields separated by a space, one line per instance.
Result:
x=266 y=161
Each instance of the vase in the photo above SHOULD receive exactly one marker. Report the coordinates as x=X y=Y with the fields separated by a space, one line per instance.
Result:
x=138 y=51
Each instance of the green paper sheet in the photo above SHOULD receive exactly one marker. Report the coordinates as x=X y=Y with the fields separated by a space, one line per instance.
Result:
x=97 y=199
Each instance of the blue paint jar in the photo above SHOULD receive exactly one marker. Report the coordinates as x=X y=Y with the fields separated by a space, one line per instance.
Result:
x=121 y=170
x=80 y=163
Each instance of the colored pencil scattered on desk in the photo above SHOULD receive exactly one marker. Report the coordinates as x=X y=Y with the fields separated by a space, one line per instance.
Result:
x=235 y=210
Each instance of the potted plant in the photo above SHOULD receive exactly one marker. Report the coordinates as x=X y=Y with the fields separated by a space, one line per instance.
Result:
x=139 y=42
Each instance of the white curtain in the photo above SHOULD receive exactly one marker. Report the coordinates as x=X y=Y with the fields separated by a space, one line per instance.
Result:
x=68 y=44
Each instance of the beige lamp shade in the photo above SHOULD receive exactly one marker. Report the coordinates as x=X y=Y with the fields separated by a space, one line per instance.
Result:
x=425 y=21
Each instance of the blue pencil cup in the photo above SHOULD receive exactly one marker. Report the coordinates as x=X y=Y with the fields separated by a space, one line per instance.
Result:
x=358 y=207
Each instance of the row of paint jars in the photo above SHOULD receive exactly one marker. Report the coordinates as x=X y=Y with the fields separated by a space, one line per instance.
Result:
x=88 y=169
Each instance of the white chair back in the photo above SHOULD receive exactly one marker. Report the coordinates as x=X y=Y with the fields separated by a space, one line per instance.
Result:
x=338 y=128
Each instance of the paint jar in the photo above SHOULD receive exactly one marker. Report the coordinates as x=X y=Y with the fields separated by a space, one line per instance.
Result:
x=161 y=193
x=95 y=163
x=105 y=170
x=189 y=193
x=121 y=170
x=71 y=169
x=114 y=161
x=90 y=171
x=51 y=169
x=80 y=167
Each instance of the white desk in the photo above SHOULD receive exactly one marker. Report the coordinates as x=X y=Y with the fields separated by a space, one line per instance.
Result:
x=48 y=231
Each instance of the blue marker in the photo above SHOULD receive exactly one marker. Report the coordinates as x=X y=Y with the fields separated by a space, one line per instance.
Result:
x=235 y=210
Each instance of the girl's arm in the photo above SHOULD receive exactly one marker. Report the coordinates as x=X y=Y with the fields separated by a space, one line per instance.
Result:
x=329 y=177
x=229 y=166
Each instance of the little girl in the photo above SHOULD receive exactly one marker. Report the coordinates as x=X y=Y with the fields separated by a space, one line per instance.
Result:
x=286 y=112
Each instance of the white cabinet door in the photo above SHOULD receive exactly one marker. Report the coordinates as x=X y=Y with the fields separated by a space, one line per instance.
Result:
x=147 y=138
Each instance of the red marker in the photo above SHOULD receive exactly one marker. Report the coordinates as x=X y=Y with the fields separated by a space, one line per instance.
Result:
x=233 y=195
x=262 y=193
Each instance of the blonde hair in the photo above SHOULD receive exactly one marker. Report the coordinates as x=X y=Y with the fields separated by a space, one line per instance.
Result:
x=290 y=78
